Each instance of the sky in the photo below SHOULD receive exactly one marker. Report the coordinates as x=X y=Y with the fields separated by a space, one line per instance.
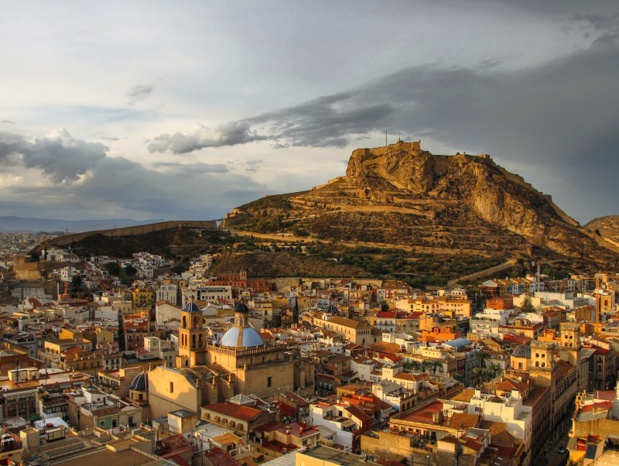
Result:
x=187 y=109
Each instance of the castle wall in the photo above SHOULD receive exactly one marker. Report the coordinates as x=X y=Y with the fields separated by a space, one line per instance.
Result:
x=130 y=231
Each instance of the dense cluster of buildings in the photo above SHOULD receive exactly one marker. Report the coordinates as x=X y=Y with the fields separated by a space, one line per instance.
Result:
x=234 y=370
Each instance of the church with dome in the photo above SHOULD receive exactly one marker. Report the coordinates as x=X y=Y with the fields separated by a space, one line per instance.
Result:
x=239 y=363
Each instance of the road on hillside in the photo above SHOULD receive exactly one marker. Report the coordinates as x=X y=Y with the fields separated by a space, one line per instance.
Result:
x=483 y=273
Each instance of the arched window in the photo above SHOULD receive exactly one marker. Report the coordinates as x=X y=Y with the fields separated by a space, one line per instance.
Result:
x=193 y=341
x=184 y=321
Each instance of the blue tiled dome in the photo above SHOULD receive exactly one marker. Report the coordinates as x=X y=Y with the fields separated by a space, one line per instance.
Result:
x=140 y=383
x=332 y=309
x=241 y=307
x=191 y=307
x=241 y=337
x=522 y=351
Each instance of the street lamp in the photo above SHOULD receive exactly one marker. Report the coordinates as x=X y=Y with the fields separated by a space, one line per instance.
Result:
x=428 y=457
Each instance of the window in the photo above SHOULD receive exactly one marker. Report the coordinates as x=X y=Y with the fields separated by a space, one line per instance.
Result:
x=269 y=381
x=171 y=387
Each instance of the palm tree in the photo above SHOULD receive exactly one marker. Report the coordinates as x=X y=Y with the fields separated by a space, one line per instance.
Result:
x=415 y=365
x=495 y=370
x=479 y=373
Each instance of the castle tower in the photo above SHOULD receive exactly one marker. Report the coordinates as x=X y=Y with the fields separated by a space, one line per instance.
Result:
x=570 y=335
x=542 y=363
x=570 y=341
x=191 y=336
x=542 y=355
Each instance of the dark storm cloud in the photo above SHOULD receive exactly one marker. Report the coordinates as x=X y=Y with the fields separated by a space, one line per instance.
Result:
x=59 y=156
x=201 y=137
x=118 y=186
x=327 y=121
x=324 y=122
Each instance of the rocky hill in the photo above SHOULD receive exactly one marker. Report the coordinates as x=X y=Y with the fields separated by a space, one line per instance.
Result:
x=606 y=227
x=398 y=211
x=403 y=196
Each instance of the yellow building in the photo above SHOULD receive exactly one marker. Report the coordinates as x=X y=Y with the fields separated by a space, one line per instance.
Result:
x=141 y=297
x=327 y=456
x=354 y=330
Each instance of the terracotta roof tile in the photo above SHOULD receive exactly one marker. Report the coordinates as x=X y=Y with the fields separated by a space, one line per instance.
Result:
x=242 y=412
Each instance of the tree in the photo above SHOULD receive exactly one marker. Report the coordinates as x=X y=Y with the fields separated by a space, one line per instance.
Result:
x=413 y=365
x=112 y=268
x=478 y=372
x=130 y=270
x=527 y=306
x=180 y=267
x=426 y=365
x=77 y=281
x=494 y=371
x=384 y=306
x=127 y=274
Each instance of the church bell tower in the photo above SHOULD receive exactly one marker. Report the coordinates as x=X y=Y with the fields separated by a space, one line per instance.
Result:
x=191 y=336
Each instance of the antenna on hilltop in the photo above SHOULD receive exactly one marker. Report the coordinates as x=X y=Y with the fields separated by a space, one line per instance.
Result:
x=386 y=143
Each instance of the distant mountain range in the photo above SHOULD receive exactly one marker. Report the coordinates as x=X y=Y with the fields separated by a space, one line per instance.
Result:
x=34 y=225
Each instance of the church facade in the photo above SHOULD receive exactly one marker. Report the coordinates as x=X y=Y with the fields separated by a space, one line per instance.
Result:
x=240 y=363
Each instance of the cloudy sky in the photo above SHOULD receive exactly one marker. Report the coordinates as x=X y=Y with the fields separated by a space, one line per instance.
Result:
x=184 y=110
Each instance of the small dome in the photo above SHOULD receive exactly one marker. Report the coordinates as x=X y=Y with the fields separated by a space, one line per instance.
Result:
x=522 y=351
x=332 y=308
x=242 y=308
x=140 y=383
x=191 y=307
x=241 y=337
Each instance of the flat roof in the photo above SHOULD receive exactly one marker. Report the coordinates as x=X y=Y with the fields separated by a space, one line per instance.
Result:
x=333 y=455
x=106 y=457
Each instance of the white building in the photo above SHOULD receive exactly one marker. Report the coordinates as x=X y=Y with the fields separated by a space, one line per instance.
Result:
x=167 y=292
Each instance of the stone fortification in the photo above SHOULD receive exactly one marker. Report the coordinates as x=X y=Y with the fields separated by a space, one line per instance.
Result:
x=129 y=231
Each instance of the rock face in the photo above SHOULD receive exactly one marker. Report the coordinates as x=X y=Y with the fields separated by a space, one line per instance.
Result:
x=403 y=195
x=606 y=227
